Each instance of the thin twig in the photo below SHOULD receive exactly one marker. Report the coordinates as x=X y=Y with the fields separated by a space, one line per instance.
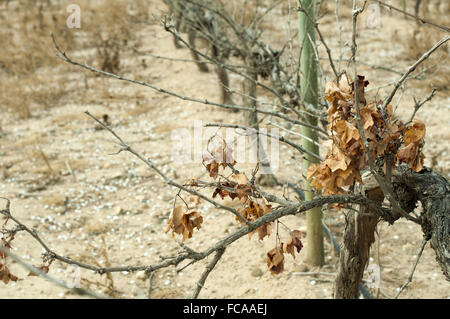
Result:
x=314 y=273
x=316 y=26
x=69 y=168
x=149 y=290
x=410 y=277
x=418 y=105
x=224 y=242
x=126 y=147
x=61 y=283
x=442 y=27
x=255 y=131
x=64 y=57
x=425 y=56
x=298 y=134
x=385 y=187
x=208 y=269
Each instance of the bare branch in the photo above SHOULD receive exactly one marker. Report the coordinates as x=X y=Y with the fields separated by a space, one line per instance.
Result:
x=418 y=105
x=425 y=56
x=64 y=57
x=208 y=269
x=385 y=187
x=126 y=147
x=414 y=17
x=316 y=25
x=77 y=290
x=424 y=243
x=255 y=131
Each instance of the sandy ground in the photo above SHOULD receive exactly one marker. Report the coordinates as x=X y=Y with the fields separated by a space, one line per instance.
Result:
x=113 y=209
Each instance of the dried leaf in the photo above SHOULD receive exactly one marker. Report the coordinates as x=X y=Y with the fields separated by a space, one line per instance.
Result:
x=6 y=275
x=181 y=222
x=361 y=86
x=213 y=169
x=293 y=243
x=275 y=261
x=263 y=231
x=252 y=212
x=195 y=199
x=346 y=155
x=7 y=246
x=240 y=178
x=415 y=133
x=412 y=155
x=43 y=268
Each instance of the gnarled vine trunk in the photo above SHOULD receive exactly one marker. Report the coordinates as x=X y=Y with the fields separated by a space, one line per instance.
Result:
x=433 y=191
x=358 y=237
x=427 y=187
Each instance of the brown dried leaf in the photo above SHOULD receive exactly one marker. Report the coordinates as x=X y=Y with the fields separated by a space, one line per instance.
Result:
x=213 y=169
x=195 y=199
x=191 y=220
x=275 y=261
x=6 y=275
x=293 y=243
x=181 y=222
x=345 y=84
x=175 y=221
x=412 y=155
x=240 y=178
x=415 y=133
x=42 y=268
x=263 y=231
x=7 y=246
x=361 y=86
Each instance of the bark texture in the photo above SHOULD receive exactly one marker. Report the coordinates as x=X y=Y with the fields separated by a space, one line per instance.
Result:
x=433 y=191
x=427 y=187
x=359 y=235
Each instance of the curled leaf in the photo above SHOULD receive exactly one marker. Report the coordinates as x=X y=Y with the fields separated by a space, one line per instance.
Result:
x=7 y=245
x=240 y=178
x=293 y=243
x=181 y=222
x=43 y=268
x=275 y=261
x=414 y=133
x=6 y=275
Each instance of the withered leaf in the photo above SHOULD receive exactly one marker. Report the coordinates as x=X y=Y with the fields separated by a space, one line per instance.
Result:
x=293 y=243
x=213 y=169
x=412 y=155
x=42 y=268
x=237 y=190
x=275 y=261
x=361 y=86
x=195 y=199
x=414 y=133
x=7 y=246
x=6 y=275
x=181 y=222
x=243 y=191
x=346 y=155
x=263 y=231
x=240 y=178
x=345 y=84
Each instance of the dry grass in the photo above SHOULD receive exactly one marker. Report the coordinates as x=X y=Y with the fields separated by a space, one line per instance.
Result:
x=35 y=77
x=27 y=57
